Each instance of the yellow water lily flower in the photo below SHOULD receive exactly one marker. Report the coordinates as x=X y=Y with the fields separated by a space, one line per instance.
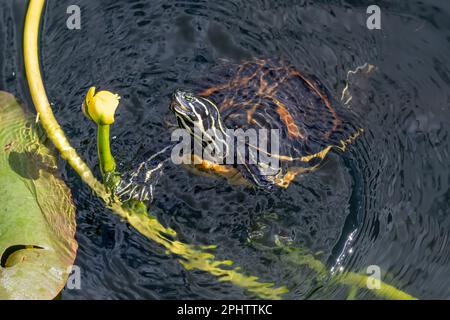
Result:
x=101 y=106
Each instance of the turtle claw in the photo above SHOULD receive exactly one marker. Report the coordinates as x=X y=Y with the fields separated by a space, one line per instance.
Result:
x=141 y=193
x=111 y=181
x=139 y=184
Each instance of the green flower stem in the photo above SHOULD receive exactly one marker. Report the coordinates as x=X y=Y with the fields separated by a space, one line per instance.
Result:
x=191 y=257
x=107 y=163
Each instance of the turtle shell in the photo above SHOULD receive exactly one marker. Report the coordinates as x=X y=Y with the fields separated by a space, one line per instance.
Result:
x=275 y=95
x=266 y=94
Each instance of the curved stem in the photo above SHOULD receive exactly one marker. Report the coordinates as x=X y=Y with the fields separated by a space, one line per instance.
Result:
x=41 y=103
x=107 y=163
x=385 y=291
x=351 y=279
x=191 y=257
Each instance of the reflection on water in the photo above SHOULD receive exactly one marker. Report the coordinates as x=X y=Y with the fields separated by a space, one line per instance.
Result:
x=385 y=202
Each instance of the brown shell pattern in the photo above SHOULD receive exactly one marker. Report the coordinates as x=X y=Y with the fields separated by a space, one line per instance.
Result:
x=274 y=95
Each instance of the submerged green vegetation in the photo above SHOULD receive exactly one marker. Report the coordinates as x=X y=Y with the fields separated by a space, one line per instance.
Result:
x=190 y=256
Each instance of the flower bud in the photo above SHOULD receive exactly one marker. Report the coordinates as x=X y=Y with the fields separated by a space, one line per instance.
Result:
x=101 y=106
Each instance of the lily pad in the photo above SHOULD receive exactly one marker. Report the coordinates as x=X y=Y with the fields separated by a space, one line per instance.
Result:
x=37 y=215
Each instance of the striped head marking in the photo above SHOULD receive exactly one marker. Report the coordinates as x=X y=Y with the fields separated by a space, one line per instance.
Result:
x=195 y=112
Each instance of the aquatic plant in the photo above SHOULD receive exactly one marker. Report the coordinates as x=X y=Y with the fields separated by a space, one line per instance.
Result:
x=191 y=257
x=100 y=108
x=37 y=215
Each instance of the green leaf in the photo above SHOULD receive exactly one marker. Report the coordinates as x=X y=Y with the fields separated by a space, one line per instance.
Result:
x=37 y=215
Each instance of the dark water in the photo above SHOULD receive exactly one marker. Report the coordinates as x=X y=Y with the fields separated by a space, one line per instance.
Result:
x=390 y=191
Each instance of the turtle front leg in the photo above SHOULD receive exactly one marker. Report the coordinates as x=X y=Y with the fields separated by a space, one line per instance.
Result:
x=139 y=184
x=111 y=180
x=349 y=90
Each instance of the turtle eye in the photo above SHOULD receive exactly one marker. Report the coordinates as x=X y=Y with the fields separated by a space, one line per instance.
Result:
x=189 y=97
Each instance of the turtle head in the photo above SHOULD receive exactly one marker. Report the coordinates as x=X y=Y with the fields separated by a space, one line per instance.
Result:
x=193 y=111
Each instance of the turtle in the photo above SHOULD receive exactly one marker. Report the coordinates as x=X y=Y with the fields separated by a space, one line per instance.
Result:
x=257 y=96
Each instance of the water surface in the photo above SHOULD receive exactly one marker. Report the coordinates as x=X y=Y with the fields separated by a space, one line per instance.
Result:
x=390 y=192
